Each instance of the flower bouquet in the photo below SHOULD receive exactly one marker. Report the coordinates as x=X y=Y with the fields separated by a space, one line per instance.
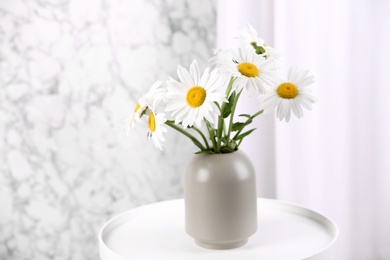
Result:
x=192 y=102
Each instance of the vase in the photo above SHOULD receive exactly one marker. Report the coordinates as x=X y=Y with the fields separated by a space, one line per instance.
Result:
x=220 y=200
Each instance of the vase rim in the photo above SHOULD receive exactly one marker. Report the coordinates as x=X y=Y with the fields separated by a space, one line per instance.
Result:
x=238 y=150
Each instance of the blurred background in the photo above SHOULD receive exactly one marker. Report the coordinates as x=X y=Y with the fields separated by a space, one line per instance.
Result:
x=72 y=70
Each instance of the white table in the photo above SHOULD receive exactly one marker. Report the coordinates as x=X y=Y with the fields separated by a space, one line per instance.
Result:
x=156 y=231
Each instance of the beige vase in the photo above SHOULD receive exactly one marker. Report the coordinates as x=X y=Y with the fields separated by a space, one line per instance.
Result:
x=220 y=200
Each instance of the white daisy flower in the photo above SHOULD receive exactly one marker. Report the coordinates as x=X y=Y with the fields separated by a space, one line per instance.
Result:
x=156 y=128
x=139 y=111
x=192 y=98
x=251 y=71
x=152 y=97
x=290 y=95
x=249 y=35
x=155 y=94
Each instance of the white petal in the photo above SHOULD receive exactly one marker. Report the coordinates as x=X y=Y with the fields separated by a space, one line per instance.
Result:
x=175 y=105
x=189 y=120
x=182 y=113
x=205 y=77
x=213 y=81
x=194 y=71
x=296 y=108
x=185 y=76
x=305 y=81
x=174 y=85
x=215 y=108
x=211 y=97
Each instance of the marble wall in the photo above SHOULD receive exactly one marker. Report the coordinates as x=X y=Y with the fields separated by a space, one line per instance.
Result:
x=70 y=72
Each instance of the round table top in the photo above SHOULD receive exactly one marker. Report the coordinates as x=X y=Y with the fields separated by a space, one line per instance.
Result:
x=157 y=231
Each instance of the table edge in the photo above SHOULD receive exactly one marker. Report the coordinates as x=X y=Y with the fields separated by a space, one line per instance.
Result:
x=120 y=219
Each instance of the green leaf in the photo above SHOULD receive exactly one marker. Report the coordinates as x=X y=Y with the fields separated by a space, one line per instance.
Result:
x=227 y=107
x=241 y=136
x=249 y=120
x=224 y=139
x=217 y=104
x=229 y=147
x=238 y=126
x=259 y=50
x=245 y=115
x=226 y=111
x=232 y=97
x=232 y=145
x=212 y=134
x=225 y=149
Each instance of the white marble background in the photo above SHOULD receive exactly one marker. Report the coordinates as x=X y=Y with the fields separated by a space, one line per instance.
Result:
x=70 y=72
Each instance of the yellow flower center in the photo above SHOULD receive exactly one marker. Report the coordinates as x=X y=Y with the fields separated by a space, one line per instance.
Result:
x=196 y=96
x=287 y=90
x=248 y=69
x=137 y=107
x=152 y=122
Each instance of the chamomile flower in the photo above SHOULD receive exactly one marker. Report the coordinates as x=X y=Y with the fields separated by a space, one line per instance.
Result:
x=156 y=93
x=153 y=96
x=156 y=128
x=249 y=35
x=139 y=111
x=257 y=44
x=290 y=95
x=191 y=99
x=251 y=71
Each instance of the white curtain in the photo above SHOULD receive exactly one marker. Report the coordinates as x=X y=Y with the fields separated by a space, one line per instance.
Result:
x=336 y=159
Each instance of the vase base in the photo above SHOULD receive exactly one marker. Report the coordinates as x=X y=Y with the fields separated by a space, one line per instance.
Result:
x=221 y=245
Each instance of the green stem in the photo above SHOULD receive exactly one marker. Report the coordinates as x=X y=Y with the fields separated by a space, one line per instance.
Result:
x=218 y=106
x=257 y=113
x=232 y=115
x=203 y=137
x=184 y=132
x=221 y=119
x=211 y=134
x=219 y=134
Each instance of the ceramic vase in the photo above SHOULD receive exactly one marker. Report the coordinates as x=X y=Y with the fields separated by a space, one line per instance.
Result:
x=220 y=200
